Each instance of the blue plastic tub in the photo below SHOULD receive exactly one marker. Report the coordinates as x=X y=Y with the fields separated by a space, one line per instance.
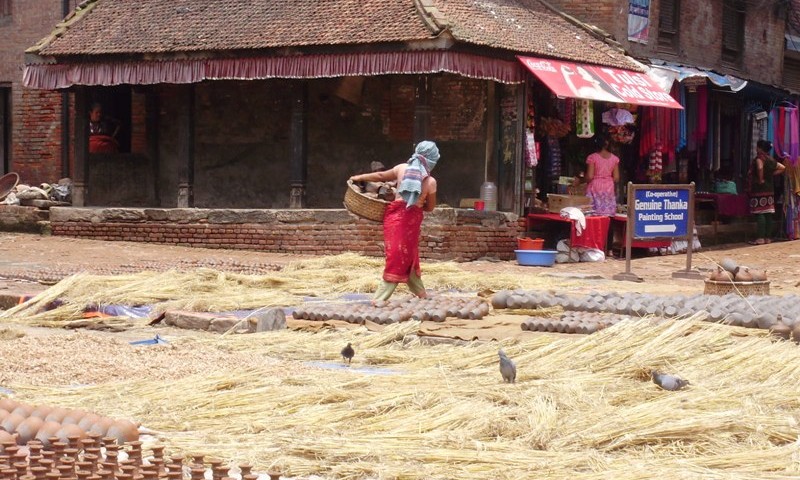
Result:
x=536 y=258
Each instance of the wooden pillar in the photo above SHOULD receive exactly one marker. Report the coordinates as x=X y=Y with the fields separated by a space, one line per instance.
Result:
x=490 y=163
x=519 y=153
x=185 y=119
x=422 y=109
x=151 y=130
x=299 y=141
x=80 y=177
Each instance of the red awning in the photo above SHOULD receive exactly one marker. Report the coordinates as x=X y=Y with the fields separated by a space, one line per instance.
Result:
x=592 y=82
x=56 y=76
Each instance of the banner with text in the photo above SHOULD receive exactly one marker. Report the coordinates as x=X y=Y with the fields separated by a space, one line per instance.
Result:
x=604 y=84
x=660 y=213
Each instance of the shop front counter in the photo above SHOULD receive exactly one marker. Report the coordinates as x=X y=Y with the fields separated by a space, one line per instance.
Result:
x=552 y=227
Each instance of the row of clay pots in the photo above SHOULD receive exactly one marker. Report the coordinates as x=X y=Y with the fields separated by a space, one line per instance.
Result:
x=758 y=311
x=86 y=460
x=43 y=422
x=536 y=324
x=393 y=312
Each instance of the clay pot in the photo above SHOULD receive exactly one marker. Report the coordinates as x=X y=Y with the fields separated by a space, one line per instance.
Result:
x=56 y=415
x=758 y=275
x=46 y=431
x=6 y=437
x=73 y=417
x=743 y=275
x=123 y=431
x=8 y=405
x=730 y=265
x=69 y=430
x=101 y=426
x=27 y=430
x=781 y=330
x=23 y=410
x=42 y=411
x=87 y=421
x=11 y=421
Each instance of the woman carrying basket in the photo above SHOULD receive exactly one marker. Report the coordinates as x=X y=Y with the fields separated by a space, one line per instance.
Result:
x=402 y=221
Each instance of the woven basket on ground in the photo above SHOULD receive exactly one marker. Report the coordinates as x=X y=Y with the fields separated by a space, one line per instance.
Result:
x=363 y=206
x=7 y=184
x=738 y=288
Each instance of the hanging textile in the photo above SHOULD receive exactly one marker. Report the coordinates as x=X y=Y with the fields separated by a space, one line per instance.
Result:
x=717 y=138
x=682 y=132
x=584 y=119
x=702 y=114
x=554 y=148
x=656 y=166
x=791 y=204
x=794 y=135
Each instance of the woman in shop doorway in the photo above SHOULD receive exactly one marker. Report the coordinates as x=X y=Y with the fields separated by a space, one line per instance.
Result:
x=402 y=221
x=763 y=169
x=602 y=175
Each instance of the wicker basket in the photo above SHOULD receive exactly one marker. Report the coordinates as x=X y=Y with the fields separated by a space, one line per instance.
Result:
x=738 y=288
x=7 y=184
x=365 y=207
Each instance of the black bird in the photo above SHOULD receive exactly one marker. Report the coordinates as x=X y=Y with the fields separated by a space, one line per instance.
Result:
x=348 y=353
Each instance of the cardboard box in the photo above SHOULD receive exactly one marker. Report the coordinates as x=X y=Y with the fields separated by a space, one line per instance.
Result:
x=556 y=202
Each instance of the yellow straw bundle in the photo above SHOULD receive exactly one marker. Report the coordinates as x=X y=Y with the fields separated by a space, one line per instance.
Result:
x=581 y=408
x=214 y=291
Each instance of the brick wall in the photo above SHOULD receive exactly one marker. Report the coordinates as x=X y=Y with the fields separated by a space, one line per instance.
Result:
x=36 y=116
x=700 y=34
x=447 y=234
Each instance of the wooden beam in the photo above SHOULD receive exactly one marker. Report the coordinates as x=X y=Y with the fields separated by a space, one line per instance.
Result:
x=80 y=177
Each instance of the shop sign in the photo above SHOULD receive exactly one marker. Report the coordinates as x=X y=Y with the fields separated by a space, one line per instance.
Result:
x=660 y=213
x=593 y=82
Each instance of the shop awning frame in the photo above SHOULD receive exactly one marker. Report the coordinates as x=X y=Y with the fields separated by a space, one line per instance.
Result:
x=598 y=83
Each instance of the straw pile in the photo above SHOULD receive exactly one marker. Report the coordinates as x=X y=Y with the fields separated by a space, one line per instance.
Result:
x=209 y=290
x=581 y=408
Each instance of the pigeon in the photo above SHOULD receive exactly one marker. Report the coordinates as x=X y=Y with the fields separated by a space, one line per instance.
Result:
x=668 y=382
x=348 y=353
x=507 y=367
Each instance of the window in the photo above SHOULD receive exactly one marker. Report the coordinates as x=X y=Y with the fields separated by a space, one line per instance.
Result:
x=732 y=30
x=668 y=23
x=5 y=12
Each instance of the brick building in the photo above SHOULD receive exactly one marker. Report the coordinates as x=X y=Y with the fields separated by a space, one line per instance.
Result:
x=32 y=135
x=214 y=116
x=737 y=37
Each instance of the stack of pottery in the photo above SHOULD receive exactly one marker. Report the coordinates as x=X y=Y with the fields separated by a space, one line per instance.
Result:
x=732 y=277
x=22 y=423
x=103 y=459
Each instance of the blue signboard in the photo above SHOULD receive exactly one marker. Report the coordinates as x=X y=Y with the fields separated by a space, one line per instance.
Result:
x=660 y=213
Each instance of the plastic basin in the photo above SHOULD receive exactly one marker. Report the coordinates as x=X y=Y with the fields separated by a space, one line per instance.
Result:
x=536 y=258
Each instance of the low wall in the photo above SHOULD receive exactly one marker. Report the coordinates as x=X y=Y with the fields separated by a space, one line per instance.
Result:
x=447 y=234
x=14 y=218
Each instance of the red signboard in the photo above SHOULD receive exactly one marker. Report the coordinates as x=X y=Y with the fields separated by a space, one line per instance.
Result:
x=592 y=82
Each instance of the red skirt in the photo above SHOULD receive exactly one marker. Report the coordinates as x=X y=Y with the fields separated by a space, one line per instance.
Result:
x=762 y=202
x=401 y=229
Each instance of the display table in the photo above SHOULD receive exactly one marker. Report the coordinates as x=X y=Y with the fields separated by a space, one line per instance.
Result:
x=593 y=236
x=618 y=229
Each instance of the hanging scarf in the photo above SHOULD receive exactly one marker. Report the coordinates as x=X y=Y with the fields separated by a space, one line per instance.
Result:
x=420 y=166
x=584 y=119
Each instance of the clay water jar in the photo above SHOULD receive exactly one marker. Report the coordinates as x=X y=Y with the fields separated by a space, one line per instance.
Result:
x=743 y=275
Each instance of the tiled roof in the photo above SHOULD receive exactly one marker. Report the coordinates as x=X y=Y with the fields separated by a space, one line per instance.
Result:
x=159 y=26
x=527 y=26
x=118 y=27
